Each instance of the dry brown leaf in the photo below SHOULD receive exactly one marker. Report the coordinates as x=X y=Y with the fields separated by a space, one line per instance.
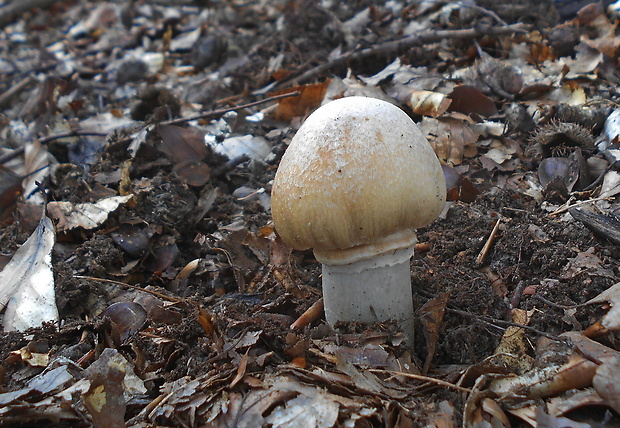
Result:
x=368 y=356
x=560 y=405
x=311 y=407
x=552 y=379
x=309 y=316
x=448 y=136
x=431 y=315
x=468 y=99
x=607 y=45
x=182 y=144
x=112 y=379
x=309 y=98
x=443 y=416
x=586 y=262
x=547 y=381
x=246 y=411
x=514 y=343
x=607 y=382
x=243 y=365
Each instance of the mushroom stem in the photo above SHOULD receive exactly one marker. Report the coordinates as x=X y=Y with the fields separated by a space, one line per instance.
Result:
x=370 y=290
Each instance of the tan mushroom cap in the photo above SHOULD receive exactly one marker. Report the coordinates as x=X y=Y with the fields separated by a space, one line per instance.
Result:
x=357 y=179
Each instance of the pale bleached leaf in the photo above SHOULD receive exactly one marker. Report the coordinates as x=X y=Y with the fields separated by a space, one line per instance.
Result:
x=27 y=282
x=87 y=216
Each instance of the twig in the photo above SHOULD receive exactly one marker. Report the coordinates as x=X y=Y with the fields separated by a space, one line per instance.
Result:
x=557 y=305
x=487 y=246
x=568 y=207
x=312 y=314
x=423 y=378
x=488 y=12
x=9 y=12
x=496 y=323
x=20 y=150
x=8 y=95
x=135 y=287
x=395 y=46
x=222 y=111
x=211 y=114
x=601 y=176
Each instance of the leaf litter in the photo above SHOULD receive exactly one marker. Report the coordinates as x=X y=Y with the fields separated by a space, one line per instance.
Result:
x=151 y=132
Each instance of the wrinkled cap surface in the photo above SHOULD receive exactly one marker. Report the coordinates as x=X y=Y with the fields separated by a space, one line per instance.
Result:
x=358 y=174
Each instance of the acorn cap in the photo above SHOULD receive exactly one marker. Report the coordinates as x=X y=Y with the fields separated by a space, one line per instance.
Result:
x=357 y=179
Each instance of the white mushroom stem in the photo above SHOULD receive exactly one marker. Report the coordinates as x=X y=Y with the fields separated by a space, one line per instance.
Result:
x=371 y=290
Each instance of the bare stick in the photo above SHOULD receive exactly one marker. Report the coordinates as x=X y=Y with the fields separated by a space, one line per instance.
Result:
x=222 y=111
x=487 y=246
x=210 y=114
x=7 y=97
x=135 y=287
x=567 y=207
x=9 y=12
x=312 y=314
x=20 y=150
x=395 y=46
x=423 y=378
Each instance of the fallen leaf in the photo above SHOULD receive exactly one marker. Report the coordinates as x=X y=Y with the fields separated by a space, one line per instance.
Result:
x=431 y=315
x=513 y=348
x=311 y=407
x=27 y=282
x=309 y=98
x=247 y=411
x=544 y=419
x=560 y=405
x=468 y=99
x=428 y=103
x=182 y=144
x=243 y=364
x=87 y=216
x=127 y=318
x=448 y=136
x=113 y=383
x=611 y=320
x=35 y=359
x=586 y=262
x=607 y=382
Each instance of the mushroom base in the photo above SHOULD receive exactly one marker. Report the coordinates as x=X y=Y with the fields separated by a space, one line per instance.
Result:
x=371 y=290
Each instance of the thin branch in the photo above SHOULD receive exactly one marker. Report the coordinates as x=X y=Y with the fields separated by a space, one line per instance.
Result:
x=9 y=12
x=396 y=46
x=135 y=287
x=219 y=112
x=423 y=378
x=487 y=246
x=567 y=207
x=496 y=323
x=8 y=96
x=210 y=114
x=20 y=150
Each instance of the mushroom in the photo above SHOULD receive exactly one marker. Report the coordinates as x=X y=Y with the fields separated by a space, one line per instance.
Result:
x=356 y=181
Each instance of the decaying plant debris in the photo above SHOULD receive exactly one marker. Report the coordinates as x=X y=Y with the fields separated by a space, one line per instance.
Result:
x=148 y=134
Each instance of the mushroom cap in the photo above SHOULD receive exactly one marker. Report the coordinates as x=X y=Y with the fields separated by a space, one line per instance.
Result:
x=357 y=179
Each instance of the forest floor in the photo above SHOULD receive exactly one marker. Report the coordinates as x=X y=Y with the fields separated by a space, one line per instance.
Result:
x=149 y=133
